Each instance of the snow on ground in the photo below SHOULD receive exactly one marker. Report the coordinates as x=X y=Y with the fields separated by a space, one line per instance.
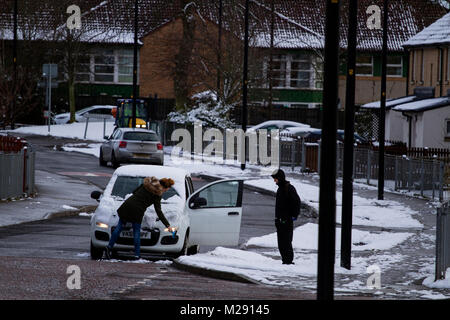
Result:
x=366 y=212
x=439 y=284
x=269 y=270
x=74 y=130
x=362 y=240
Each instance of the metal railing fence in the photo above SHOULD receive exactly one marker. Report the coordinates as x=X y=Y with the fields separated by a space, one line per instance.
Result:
x=425 y=177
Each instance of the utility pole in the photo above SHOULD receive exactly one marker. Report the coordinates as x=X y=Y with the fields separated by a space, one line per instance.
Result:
x=135 y=47
x=245 y=83
x=272 y=28
x=14 y=77
x=219 y=53
x=327 y=194
x=382 y=117
x=347 y=181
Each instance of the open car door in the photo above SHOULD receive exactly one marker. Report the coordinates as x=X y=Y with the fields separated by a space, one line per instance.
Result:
x=215 y=213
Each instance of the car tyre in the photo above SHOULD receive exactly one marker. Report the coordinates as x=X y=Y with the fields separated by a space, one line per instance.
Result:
x=96 y=253
x=114 y=161
x=102 y=162
x=193 y=250
x=184 y=251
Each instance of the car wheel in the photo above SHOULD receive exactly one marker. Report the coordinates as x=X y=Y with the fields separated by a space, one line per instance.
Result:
x=102 y=162
x=114 y=161
x=193 y=250
x=184 y=251
x=96 y=253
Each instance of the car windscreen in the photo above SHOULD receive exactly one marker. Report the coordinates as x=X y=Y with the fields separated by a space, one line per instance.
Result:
x=126 y=185
x=140 y=136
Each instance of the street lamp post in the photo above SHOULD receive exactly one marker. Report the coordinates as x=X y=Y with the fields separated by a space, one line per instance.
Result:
x=135 y=52
x=245 y=84
x=347 y=181
x=14 y=77
x=382 y=117
x=327 y=193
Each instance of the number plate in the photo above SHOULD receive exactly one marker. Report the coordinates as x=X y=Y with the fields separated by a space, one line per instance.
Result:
x=129 y=234
x=141 y=155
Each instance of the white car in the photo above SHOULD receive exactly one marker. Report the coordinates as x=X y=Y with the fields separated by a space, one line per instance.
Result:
x=209 y=216
x=277 y=124
x=95 y=113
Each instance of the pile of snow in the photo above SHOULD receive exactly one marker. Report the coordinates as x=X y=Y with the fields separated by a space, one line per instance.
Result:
x=439 y=284
x=306 y=238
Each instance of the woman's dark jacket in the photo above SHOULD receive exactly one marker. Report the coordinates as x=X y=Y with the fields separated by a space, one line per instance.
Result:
x=147 y=194
x=287 y=204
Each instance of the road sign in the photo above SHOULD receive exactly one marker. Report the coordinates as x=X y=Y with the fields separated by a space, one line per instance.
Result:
x=50 y=68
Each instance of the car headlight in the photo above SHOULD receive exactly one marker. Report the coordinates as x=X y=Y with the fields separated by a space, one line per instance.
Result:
x=102 y=225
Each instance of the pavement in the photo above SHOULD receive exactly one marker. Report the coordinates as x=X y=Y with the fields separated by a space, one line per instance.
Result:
x=56 y=195
x=400 y=281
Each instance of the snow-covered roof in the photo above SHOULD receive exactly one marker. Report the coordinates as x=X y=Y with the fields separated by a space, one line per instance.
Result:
x=297 y=24
x=423 y=105
x=420 y=93
x=406 y=18
x=436 y=33
x=389 y=103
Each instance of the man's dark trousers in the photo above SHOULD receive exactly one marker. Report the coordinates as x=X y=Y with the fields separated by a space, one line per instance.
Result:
x=285 y=230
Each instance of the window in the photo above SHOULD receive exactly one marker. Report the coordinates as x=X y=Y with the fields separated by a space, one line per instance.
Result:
x=125 y=66
x=140 y=136
x=223 y=194
x=104 y=67
x=413 y=66
x=364 y=65
x=394 y=67
x=295 y=71
x=279 y=70
x=448 y=128
x=125 y=185
x=300 y=71
x=83 y=69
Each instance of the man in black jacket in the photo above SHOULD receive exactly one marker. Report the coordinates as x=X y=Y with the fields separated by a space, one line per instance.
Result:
x=287 y=207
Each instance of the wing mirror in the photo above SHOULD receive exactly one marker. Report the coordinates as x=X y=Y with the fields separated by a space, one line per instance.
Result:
x=198 y=202
x=96 y=195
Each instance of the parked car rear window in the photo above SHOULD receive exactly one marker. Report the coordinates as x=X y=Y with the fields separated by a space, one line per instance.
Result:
x=140 y=136
x=126 y=185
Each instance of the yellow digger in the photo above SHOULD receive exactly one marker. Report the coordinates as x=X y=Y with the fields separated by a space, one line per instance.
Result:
x=123 y=113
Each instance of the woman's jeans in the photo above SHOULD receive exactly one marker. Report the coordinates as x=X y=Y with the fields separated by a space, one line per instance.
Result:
x=136 y=233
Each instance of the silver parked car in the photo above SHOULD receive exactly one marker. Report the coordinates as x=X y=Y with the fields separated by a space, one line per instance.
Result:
x=129 y=145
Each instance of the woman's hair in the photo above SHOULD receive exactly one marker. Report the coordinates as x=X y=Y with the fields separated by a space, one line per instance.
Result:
x=166 y=182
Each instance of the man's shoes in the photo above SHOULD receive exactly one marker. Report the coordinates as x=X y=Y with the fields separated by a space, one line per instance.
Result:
x=288 y=263
x=108 y=253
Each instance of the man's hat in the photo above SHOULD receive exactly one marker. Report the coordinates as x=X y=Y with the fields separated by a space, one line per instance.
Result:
x=279 y=174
